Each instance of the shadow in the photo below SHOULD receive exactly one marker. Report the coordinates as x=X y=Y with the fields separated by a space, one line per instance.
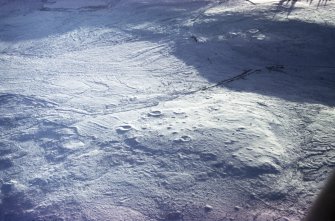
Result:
x=295 y=57
x=289 y=5
x=14 y=203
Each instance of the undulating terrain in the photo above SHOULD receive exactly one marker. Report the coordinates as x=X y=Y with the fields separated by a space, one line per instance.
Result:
x=165 y=110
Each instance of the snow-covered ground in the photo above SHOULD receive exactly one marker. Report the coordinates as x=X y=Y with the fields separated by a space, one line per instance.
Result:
x=165 y=110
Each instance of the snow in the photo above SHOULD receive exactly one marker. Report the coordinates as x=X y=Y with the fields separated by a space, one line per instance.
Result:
x=165 y=110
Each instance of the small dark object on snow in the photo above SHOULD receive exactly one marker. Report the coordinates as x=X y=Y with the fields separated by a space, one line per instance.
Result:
x=195 y=38
x=276 y=68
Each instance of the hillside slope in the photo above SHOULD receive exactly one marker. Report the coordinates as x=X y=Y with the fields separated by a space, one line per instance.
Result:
x=165 y=110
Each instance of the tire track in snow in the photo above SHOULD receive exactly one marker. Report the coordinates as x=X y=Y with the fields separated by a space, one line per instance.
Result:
x=152 y=102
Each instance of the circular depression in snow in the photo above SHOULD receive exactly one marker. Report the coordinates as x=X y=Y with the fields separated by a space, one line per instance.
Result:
x=123 y=128
x=155 y=113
